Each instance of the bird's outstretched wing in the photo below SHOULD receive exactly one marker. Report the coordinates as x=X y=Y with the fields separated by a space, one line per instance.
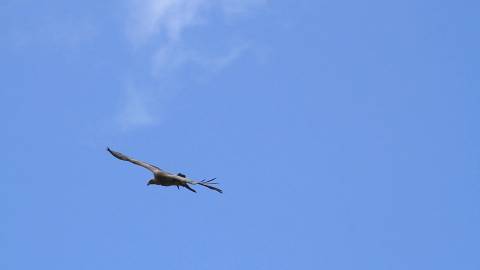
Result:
x=150 y=167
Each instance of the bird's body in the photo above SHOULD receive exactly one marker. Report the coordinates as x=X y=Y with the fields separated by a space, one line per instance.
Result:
x=167 y=179
x=164 y=178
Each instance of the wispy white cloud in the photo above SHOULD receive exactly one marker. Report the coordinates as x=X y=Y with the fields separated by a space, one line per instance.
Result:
x=171 y=18
x=168 y=17
x=162 y=25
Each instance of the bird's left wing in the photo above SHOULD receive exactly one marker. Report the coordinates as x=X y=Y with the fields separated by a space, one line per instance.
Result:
x=150 y=167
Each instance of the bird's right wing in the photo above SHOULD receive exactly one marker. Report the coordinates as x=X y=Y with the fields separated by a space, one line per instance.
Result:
x=150 y=167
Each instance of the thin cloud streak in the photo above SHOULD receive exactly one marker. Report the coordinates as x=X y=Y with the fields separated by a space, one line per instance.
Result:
x=171 y=59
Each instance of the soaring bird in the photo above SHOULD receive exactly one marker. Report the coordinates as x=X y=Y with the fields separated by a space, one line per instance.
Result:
x=164 y=178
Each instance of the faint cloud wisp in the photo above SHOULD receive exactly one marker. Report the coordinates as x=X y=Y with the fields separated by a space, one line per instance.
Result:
x=134 y=111
x=168 y=17
x=159 y=26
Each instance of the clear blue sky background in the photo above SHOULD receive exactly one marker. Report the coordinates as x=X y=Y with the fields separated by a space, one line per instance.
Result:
x=345 y=134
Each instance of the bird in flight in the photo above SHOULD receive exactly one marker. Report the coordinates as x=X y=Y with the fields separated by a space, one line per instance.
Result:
x=164 y=178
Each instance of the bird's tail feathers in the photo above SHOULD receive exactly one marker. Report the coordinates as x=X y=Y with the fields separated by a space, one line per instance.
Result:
x=189 y=188
x=209 y=184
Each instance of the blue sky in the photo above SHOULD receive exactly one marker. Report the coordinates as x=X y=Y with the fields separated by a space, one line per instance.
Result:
x=344 y=134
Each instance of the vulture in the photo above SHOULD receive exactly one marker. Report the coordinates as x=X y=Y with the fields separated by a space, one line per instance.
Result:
x=164 y=178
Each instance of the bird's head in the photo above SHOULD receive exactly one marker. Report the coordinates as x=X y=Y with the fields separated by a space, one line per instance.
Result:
x=151 y=182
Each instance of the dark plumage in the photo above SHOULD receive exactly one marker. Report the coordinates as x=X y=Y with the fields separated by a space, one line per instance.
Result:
x=164 y=178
